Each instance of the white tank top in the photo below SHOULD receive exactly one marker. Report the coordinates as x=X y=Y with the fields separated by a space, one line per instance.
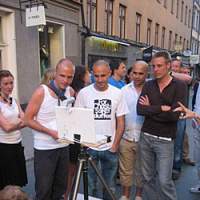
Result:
x=11 y=113
x=47 y=117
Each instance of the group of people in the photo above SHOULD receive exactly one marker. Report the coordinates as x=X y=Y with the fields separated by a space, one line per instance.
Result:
x=141 y=118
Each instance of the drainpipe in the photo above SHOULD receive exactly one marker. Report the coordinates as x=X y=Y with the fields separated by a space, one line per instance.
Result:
x=83 y=35
x=192 y=25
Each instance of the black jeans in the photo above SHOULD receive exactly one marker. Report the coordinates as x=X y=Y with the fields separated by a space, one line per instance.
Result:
x=50 y=167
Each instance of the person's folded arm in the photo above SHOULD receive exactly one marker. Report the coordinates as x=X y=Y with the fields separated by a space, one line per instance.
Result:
x=143 y=105
x=171 y=116
x=166 y=116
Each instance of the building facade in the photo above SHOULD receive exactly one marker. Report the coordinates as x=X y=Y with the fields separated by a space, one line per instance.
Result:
x=195 y=40
x=165 y=24
x=28 y=51
x=87 y=30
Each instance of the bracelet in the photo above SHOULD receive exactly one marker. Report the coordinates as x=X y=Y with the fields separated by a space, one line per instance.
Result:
x=196 y=116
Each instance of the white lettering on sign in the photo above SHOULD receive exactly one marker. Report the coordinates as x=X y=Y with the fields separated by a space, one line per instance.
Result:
x=35 y=16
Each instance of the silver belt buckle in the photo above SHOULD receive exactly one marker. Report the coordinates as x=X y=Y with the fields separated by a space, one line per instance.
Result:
x=164 y=138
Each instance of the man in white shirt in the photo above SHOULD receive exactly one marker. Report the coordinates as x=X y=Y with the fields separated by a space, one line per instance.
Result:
x=109 y=111
x=128 y=146
x=50 y=156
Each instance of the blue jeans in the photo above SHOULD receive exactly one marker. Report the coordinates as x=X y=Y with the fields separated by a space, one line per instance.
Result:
x=108 y=163
x=178 y=145
x=197 y=151
x=156 y=164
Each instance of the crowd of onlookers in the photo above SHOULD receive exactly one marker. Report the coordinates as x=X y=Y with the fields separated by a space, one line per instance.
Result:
x=145 y=117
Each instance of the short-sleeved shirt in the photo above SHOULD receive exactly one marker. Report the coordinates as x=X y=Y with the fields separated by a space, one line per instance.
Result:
x=107 y=105
x=116 y=83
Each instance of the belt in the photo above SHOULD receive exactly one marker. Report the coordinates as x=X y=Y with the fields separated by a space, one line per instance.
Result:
x=158 y=137
x=131 y=141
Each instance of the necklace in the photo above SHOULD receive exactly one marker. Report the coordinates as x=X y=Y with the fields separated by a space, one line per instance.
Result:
x=7 y=100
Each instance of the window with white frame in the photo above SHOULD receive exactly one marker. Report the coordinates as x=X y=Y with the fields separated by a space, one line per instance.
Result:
x=156 y=34
x=170 y=40
x=186 y=14
x=149 y=22
x=92 y=14
x=122 y=20
x=182 y=10
x=138 y=26
x=177 y=8
x=108 y=16
x=163 y=38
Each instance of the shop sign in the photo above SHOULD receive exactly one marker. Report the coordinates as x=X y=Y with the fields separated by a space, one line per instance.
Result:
x=35 y=16
x=147 y=54
x=104 y=44
x=194 y=59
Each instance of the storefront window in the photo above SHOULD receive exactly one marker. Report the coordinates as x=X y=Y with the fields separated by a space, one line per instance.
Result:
x=51 y=45
x=93 y=58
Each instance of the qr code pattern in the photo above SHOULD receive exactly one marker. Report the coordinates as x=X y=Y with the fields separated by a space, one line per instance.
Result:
x=102 y=109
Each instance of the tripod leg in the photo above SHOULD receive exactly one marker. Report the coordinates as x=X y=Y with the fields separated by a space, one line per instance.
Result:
x=101 y=179
x=85 y=179
x=73 y=196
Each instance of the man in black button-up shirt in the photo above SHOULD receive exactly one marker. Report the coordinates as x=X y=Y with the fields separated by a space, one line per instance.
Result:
x=158 y=99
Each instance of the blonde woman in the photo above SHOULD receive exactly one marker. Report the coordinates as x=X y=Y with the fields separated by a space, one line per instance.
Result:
x=49 y=75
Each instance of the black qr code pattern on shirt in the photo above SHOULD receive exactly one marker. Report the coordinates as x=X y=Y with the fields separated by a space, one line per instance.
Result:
x=102 y=109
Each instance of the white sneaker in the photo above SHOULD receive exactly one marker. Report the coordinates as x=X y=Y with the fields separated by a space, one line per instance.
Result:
x=195 y=189
x=123 y=198
x=138 y=198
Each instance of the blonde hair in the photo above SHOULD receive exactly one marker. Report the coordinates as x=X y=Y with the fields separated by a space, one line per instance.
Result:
x=49 y=75
x=12 y=192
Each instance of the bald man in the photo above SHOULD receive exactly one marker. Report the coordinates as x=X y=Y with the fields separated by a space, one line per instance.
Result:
x=50 y=157
x=133 y=123
x=109 y=110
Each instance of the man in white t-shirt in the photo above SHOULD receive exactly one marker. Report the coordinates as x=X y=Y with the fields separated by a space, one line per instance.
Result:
x=128 y=150
x=109 y=111
x=50 y=156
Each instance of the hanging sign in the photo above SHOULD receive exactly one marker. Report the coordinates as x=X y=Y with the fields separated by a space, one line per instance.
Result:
x=194 y=59
x=35 y=16
x=147 y=54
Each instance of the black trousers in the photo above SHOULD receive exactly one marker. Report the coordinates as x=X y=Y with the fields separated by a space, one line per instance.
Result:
x=50 y=168
x=12 y=165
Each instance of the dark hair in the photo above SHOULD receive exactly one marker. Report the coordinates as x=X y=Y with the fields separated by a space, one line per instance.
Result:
x=175 y=59
x=163 y=54
x=127 y=79
x=78 y=80
x=114 y=64
x=5 y=73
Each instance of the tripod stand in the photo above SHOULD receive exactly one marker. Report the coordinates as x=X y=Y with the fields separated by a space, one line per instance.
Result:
x=84 y=159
